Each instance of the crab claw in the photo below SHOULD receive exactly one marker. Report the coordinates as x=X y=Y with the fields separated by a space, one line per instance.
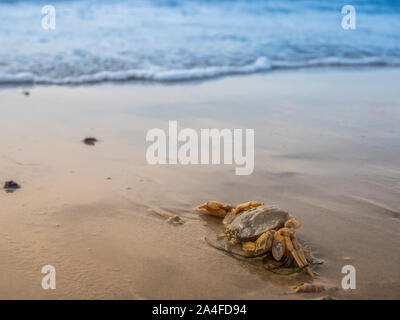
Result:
x=278 y=246
x=215 y=208
x=246 y=206
x=264 y=242
x=261 y=245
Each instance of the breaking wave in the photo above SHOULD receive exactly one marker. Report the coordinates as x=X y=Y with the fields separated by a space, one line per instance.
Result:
x=101 y=40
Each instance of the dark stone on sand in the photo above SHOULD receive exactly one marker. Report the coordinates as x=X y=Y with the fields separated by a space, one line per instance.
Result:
x=90 y=141
x=11 y=186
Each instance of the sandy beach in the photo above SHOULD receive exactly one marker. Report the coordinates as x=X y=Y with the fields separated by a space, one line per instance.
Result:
x=327 y=149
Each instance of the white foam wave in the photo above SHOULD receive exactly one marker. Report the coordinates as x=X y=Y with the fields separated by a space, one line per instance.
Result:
x=338 y=61
x=262 y=64
x=152 y=74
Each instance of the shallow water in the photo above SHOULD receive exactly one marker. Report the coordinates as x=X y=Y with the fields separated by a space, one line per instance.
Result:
x=121 y=40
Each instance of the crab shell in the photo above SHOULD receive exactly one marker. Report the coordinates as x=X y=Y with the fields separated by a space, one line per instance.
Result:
x=252 y=223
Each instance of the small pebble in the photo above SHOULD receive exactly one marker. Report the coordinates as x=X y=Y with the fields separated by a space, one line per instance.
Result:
x=11 y=186
x=90 y=141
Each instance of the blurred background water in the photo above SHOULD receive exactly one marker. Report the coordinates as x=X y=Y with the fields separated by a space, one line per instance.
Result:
x=99 y=40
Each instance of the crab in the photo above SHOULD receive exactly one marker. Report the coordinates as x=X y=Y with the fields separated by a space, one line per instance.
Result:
x=260 y=229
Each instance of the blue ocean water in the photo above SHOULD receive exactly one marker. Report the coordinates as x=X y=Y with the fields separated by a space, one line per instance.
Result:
x=99 y=40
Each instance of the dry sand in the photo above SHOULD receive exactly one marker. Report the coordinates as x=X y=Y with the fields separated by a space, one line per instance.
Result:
x=327 y=150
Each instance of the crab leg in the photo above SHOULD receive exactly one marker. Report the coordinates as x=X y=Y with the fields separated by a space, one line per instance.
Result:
x=290 y=248
x=295 y=224
x=216 y=208
x=300 y=253
x=246 y=206
x=292 y=223
x=249 y=246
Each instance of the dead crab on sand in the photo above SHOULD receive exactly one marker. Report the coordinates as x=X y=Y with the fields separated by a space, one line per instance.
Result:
x=260 y=229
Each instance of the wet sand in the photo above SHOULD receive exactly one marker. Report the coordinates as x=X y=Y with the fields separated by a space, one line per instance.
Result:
x=327 y=150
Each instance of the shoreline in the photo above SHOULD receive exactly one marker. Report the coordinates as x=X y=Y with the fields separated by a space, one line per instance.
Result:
x=200 y=80
x=327 y=150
